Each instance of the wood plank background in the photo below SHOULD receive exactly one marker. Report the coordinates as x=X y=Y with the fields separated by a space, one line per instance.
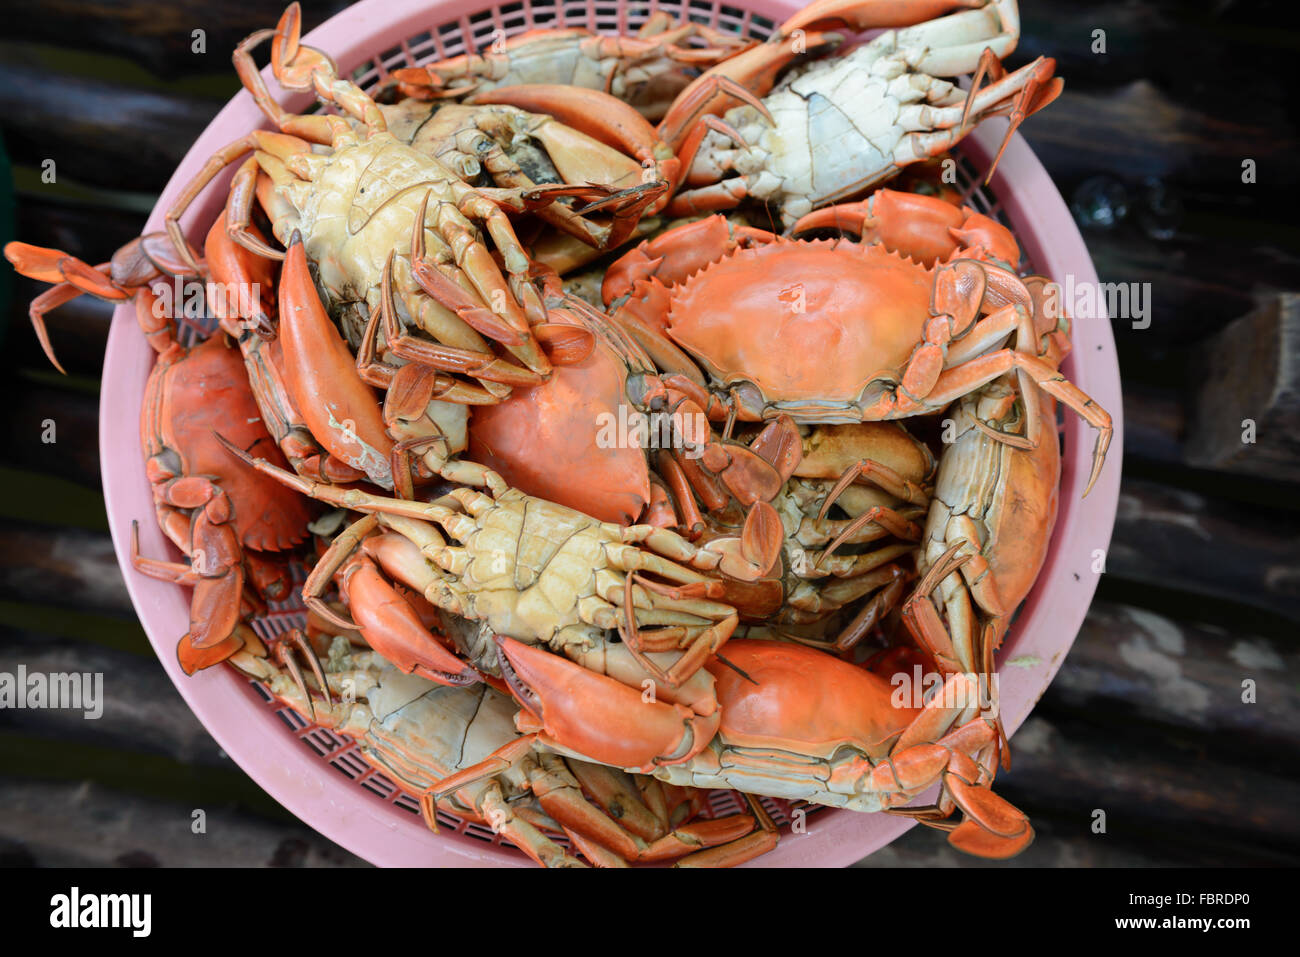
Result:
x=1202 y=589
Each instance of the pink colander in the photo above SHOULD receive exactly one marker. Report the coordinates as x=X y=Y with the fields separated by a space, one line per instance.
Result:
x=319 y=775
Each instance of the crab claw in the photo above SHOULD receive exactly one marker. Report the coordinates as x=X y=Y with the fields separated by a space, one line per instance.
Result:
x=925 y=228
x=394 y=629
x=872 y=14
x=597 y=717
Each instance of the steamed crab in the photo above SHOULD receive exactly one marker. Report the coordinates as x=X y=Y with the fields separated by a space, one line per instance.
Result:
x=543 y=572
x=421 y=734
x=648 y=69
x=765 y=314
x=367 y=199
x=792 y=722
x=834 y=128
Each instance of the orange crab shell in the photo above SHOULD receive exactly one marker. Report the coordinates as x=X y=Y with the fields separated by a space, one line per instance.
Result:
x=551 y=440
x=820 y=703
x=803 y=320
x=191 y=397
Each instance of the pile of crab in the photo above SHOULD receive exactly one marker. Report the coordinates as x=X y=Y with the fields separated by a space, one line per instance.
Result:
x=609 y=499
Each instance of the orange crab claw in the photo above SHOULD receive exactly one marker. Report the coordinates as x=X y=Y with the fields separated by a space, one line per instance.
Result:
x=320 y=372
x=598 y=717
x=872 y=14
x=193 y=659
x=393 y=628
x=926 y=228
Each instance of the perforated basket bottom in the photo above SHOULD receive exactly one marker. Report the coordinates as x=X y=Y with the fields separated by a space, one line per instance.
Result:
x=339 y=752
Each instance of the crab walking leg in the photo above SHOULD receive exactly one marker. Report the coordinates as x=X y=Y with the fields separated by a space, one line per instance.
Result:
x=617 y=795
x=742 y=849
x=216 y=573
x=870 y=614
x=809 y=604
x=743 y=77
x=1034 y=86
x=479 y=364
x=127 y=275
x=503 y=319
x=500 y=815
x=954 y=383
x=422 y=376
x=556 y=782
x=950 y=646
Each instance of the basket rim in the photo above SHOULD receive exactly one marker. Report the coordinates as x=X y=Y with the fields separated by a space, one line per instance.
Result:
x=367 y=824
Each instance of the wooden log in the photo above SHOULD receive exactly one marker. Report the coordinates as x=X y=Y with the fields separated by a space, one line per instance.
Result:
x=1133 y=667
x=1191 y=286
x=54 y=431
x=58 y=566
x=1246 y=406
x=91 y=229
x=99 y=132
x=1153 y=424
x=1152 y=788
x=1138 y=131
x=139 y=707
x=1182 y=540
x=160 y=37
x=87 y=825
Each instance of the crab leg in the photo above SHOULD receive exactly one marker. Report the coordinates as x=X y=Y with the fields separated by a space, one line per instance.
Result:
x=555 y=781
x=956 y=382
x=926 y=228
x=744 y=77
x=494 y=808
x=127 y=275
x=385 y=619
x=216 y=573
x=480 y=365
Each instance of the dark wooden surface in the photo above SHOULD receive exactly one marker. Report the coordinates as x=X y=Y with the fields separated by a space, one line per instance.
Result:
x=1202 y=589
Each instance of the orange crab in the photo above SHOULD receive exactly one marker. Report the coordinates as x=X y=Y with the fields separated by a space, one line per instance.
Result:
x=541 y=436
x=838 y=331
x=219 y=513
x=786 y=721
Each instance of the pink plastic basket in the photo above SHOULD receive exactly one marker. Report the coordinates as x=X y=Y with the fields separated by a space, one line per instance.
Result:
x=317 y=774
